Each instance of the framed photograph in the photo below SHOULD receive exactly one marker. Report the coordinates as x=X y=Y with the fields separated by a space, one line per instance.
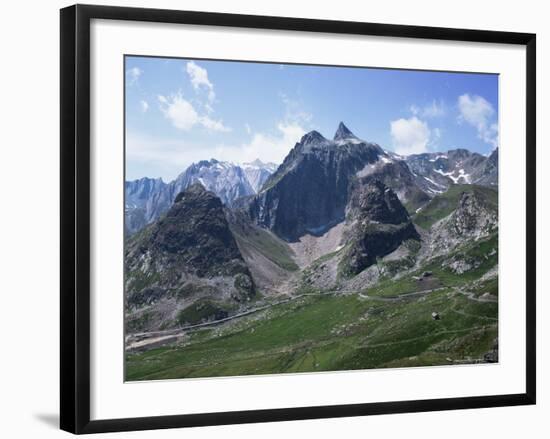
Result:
x=268 y=218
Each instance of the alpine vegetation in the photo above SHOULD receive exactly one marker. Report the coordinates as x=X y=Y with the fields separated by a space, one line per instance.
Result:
x=344 y=256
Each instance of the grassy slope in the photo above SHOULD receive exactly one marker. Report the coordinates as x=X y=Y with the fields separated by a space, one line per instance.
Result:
x=341 y=332
x=331 y=333
x=416 y=199
x=442 y=205
x=269 y=246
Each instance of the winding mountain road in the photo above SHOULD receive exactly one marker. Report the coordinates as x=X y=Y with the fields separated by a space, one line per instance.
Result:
x=144 y=340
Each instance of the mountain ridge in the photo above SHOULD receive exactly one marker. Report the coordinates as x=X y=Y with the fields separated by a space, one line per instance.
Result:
x=147 y=198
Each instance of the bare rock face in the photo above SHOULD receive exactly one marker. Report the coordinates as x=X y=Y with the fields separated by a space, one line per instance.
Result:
x=380 y=225
x=475 y=218
x=374 y=201
x=471 y=217
x=145 y=199
x=396 y=174
x=309 y=192
x=196 y=230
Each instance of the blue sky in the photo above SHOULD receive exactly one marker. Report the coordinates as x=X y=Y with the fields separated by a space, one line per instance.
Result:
x=179 y=111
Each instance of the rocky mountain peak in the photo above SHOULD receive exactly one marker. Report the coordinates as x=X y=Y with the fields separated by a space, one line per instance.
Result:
x=459 y=153
x=188 y=258
x=194 y=233
x=205 y=163
x=196 y=189
x=309 y=191
x=380 y=225
x=343 y=133
x=373 y=200
x=313 y=138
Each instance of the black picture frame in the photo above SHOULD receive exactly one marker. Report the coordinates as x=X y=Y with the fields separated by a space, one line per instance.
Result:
x=75 y=217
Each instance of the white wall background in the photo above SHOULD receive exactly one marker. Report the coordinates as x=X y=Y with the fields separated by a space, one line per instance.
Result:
x=29 y=249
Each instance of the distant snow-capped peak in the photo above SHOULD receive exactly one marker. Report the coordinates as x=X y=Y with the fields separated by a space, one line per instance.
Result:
x=258 y=164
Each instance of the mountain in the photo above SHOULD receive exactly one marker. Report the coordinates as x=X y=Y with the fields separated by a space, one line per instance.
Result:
x=227 y=180
x=257 y=173
x=436 y=172
x=344 y=135
x=309 y=192
x=395 y=174
x=342 y=240
x=324 y=168
x=186 y=267
x=270 y=259
x=321 y=169
x=143 y=197
x=147 y=199
x=380 y=224
x=489 y=174
x=463 y=214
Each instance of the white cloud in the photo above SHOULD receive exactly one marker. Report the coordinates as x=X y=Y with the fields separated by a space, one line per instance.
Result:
x=273 y=147
x=268 y=147
x=179 y=111
x=479 y=113
x=199 y=79
x=432 y=110
x=133 y=75
x=435 y=109
x=144 y=105
x=410 y=136
x=214 y=125
x=168 y=157
x=435 y=135
x=156 y=156
x=183 y=115
x=294 y=110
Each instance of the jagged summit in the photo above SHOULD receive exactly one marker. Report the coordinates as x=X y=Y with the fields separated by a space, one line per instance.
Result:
x=373 y=200
x=310 y=189
x=313 y=137
x=206 y=163
x=256 y=162
x=343 y=133
x=194 y=189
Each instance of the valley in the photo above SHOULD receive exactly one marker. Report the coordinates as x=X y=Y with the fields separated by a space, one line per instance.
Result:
x=344 y=257
x=331 y=331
